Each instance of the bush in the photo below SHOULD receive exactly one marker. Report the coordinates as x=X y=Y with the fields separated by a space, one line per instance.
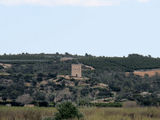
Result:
x=1 y=67
x=115 y=104
x=67 y=110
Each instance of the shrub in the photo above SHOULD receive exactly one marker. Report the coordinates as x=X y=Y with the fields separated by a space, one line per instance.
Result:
x=130 y=104
x=115 y=104
x=67 y=110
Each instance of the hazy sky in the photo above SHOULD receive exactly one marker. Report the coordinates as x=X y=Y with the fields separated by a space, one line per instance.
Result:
x=97 y=27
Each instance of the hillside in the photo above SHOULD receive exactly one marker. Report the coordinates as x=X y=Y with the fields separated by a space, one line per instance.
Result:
x=29 y=78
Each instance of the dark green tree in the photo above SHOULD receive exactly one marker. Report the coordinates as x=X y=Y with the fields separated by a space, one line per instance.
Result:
x=67 y=111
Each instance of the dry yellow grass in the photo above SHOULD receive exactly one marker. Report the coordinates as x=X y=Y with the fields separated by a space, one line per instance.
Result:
x=4 y=74
x=22 y=113
x=25 y=113
x=142 y=73
x=122 y=113
x=150 y=73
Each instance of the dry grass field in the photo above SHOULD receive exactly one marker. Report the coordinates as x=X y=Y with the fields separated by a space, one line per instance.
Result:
x=150 y=73
x=23 y=113
x=142 y=73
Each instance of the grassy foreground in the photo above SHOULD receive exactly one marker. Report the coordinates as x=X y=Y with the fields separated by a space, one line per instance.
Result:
x=22 y=113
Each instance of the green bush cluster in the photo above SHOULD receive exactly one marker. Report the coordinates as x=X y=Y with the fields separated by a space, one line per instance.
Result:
x=115 y=104
x=66 y=111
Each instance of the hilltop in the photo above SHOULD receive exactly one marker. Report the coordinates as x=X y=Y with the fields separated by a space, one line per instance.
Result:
x=28 y=78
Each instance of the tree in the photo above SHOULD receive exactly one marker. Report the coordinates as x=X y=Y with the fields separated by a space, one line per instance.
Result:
x=40 y=96
x=1 y=67
x=51 y=97
x=4 y=98
x=66 y=111
x=40 y=77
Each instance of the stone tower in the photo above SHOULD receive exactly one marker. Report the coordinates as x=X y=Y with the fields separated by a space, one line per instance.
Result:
x=76 y=70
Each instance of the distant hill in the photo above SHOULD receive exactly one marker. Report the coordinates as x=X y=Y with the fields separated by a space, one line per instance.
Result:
x=130 y=63
x=37 y=76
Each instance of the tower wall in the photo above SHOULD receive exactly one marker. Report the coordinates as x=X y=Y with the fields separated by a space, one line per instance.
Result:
x=76 y=70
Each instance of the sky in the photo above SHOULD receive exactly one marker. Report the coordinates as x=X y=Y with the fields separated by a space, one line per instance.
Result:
x=97 y=27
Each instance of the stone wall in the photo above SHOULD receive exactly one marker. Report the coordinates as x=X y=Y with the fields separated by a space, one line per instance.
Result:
x=76 y=70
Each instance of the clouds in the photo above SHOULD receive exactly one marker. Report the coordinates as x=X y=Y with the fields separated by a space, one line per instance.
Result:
x=143 y=1
x=61 y=2
x=68 y=2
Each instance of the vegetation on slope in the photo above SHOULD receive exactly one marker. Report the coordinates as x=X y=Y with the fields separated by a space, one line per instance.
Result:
x=35 y=76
